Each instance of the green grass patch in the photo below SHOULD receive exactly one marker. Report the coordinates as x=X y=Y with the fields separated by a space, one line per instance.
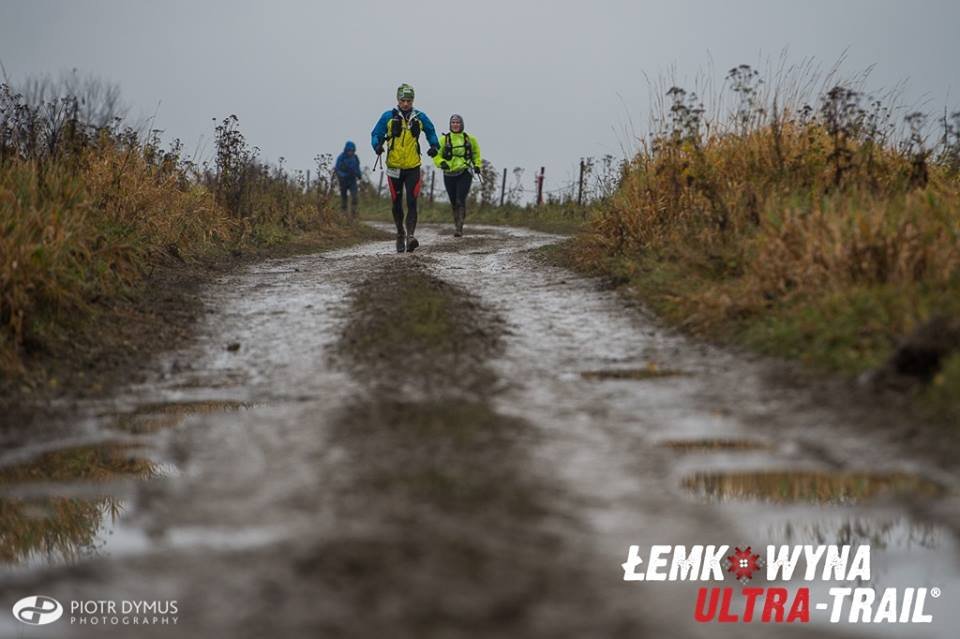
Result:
x=849 y=331
x=420 y=317
x=553 y=218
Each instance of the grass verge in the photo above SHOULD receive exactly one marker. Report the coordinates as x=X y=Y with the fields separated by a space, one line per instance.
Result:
x=104 y=236
x=811 y=226
x=549 y=218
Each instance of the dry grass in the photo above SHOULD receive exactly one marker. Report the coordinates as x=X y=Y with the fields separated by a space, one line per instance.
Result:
x=70 y=238
x=765 y=208
x=86 y=212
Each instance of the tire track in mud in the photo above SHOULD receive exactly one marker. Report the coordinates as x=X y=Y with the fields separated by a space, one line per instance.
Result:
x=615 y=395
x=389 y=455
x=451 y=532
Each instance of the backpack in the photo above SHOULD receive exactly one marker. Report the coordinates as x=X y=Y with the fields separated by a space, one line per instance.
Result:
x=395 y=125
x=447 y=153
x=395 y=128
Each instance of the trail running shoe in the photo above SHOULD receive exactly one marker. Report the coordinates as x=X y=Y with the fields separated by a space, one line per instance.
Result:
x=412 y=244
x=401 y=243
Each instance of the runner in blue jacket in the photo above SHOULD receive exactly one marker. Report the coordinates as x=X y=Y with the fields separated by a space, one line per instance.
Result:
x=348 y=172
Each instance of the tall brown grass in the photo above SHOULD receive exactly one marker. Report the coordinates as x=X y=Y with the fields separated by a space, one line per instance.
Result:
x=786 y=192
x=86 y=212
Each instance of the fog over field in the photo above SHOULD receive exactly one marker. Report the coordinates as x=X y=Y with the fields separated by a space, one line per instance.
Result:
x=539 y=84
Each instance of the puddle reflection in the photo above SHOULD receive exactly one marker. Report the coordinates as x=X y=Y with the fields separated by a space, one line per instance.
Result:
x=154 y=417
x=697 y=445
x=879 y=533
x=652 y=371
x=52 y=529
x=98 y=462
x=56 y=528
x=808 y=487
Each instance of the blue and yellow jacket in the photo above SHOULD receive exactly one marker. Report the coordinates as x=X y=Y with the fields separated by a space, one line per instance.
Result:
x=400 y=133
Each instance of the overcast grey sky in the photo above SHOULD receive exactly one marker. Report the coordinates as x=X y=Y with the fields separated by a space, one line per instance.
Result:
x=539 y=83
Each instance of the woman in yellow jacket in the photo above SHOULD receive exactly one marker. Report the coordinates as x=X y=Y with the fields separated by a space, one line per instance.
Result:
x=459 y=158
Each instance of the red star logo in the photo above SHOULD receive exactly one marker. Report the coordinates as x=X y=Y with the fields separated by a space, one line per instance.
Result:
x=743 y=564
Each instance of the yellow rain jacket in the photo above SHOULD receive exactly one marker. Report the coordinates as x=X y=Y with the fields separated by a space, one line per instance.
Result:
x=396 y=132
x=454 y=145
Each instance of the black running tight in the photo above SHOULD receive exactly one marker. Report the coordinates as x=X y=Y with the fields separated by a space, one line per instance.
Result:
x=410 y=180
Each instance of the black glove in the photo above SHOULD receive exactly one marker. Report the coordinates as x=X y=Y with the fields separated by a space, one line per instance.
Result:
x=444 y=165
x=432 y=151
x=378 y=149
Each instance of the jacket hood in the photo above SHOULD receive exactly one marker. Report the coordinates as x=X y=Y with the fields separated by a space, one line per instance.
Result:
x=349 y=146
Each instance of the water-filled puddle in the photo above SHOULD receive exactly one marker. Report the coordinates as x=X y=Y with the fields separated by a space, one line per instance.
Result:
x=61 y=506
x=56 y=528
x=651 y=371
x=710 y=445
x=98 y=462
x=808 y=486
x=52 y=529
x=880 y=532
x=153 y=417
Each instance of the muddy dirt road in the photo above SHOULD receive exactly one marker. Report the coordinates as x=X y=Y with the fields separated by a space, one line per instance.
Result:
x=461 y=442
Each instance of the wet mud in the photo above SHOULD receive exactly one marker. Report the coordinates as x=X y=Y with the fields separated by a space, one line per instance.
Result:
x=464 y=533
x=459 y=442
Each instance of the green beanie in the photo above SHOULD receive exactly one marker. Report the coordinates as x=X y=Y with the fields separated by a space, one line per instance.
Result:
x=405 y=92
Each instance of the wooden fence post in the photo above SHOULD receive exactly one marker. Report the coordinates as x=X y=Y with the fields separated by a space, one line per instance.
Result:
x=503 y=186
x=540 y=186
x=580 y=190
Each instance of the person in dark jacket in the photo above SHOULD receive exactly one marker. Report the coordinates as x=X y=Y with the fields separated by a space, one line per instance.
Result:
x=348 y=172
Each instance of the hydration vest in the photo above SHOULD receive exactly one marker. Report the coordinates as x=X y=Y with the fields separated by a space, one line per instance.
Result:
x=396 y=125
x=447 y=152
